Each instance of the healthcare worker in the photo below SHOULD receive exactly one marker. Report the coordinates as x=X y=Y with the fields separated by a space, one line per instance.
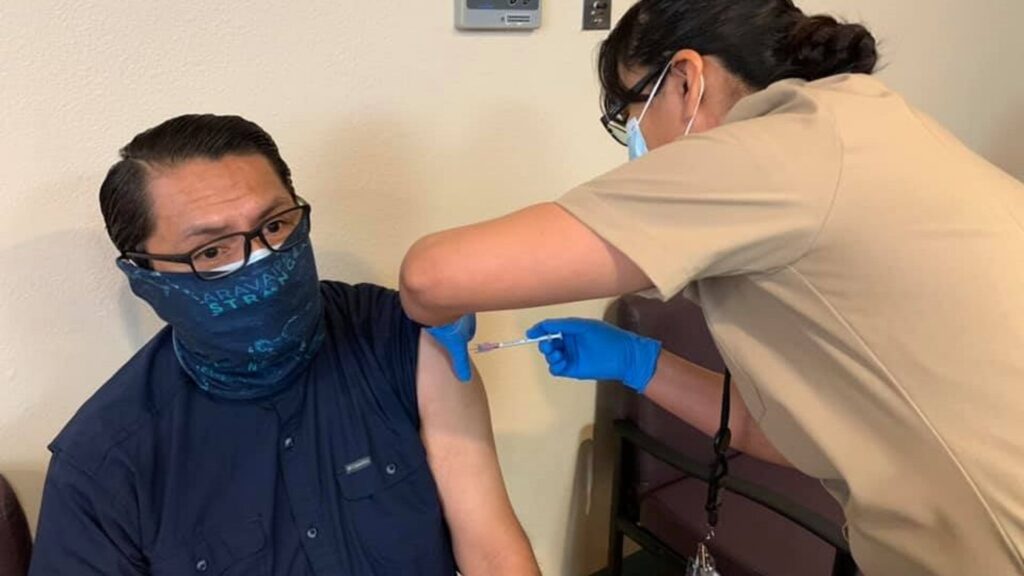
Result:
x=861 y=270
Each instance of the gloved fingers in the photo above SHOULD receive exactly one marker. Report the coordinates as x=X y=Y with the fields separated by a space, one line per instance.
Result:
x=563 y=325
x=558 y=369
x=455 y=339
x=536 y=331
x=549 y=346
x=463 y=328
x=546 y=347
x=555 y=357
x=467 y=327
x=460 y=362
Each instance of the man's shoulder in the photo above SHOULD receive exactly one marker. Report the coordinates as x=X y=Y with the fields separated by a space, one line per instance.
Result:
x=125 y=406
x=362 y=305
x=371 y=331
x=355 y=296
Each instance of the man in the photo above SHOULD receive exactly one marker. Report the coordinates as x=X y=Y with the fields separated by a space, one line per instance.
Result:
x=279 y=425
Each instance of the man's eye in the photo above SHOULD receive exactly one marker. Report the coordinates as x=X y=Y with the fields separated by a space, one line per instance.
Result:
x=279 y=229
x=210 y=253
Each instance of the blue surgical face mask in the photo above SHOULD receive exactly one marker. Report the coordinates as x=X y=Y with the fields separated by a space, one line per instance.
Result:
x=635 y=141
x=247 y=335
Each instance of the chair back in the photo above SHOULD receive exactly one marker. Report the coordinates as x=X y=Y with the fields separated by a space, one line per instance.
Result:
x=15 y=538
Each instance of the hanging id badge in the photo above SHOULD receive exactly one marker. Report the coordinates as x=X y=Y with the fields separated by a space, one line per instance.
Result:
x=703 y=563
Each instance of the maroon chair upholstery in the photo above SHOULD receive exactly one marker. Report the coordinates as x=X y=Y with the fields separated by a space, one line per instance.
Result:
x=15 y=539
x=751 y=539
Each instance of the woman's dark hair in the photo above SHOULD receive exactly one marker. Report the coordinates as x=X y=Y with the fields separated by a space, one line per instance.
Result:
x=759 y=41
x=124 y=199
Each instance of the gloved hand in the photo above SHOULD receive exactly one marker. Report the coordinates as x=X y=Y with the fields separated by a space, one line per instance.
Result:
x=592 y=350
x=455 y=338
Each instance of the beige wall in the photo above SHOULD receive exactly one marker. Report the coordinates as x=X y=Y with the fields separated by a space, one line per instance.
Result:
x=959 y=61
x=395 y=125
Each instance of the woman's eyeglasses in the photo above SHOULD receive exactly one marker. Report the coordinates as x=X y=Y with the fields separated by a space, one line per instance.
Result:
x=616 y=113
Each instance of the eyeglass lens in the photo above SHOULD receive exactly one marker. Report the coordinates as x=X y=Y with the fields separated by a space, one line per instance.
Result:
x=230 y=253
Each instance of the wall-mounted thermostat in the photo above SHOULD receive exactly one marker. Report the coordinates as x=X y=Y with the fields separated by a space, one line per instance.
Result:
x=497 y=14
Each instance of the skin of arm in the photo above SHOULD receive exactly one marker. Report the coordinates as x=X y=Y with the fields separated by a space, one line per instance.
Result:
x=456 y=431
x=537 y=256
x=694 y=394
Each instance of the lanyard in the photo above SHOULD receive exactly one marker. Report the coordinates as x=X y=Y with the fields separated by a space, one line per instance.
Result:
x=703 y=564
x=720 y=467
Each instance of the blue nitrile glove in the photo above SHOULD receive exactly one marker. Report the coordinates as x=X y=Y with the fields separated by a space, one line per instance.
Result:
x=592 y=350
x=455 y=338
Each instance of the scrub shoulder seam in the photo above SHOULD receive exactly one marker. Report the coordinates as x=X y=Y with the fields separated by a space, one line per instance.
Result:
x=827 y=217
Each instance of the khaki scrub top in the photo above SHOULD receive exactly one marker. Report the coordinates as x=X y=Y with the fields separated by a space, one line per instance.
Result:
x=863 y=275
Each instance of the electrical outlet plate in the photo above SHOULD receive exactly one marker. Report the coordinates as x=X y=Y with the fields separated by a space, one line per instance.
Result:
x=497 y=14
x=597 y=14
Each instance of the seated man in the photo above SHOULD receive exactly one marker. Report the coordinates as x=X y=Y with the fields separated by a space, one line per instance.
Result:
x=280 y=425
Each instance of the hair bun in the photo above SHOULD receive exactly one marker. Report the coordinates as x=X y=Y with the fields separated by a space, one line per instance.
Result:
x=821 y=46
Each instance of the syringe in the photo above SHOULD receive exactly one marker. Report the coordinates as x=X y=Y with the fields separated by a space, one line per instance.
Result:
x=492 y=346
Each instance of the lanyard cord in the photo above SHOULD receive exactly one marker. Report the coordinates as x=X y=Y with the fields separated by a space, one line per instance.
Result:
x=720 y=467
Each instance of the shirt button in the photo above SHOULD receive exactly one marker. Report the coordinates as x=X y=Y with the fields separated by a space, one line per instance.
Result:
x=288 y=443
x=391 y=469
x=312 y=533
x=201 y=566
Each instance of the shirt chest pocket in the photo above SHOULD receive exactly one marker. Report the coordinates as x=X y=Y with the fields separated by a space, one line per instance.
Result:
x=391 y=507
x=231 y=550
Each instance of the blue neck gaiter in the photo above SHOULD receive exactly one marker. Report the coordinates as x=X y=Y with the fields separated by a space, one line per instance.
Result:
x=247 y=335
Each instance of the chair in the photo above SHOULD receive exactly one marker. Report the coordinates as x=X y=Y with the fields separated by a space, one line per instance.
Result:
x=15 y=539
x=774 y=521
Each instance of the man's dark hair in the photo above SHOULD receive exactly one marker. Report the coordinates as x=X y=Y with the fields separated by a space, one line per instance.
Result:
x=124 y=199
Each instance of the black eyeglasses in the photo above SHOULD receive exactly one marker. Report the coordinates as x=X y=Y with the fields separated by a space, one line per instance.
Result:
x=229 y=254
x=614 y=118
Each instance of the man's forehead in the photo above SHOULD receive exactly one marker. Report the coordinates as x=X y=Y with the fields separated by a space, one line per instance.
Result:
x=204 y=179
x=205 y=196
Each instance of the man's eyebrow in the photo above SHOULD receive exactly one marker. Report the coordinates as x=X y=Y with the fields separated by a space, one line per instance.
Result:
x=280 y=205
x=207 y=230
x=215 y=230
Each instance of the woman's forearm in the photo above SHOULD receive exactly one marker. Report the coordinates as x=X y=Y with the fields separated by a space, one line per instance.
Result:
x=694 y=395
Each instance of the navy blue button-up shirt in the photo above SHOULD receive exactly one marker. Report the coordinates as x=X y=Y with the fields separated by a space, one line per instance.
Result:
x=329 y=477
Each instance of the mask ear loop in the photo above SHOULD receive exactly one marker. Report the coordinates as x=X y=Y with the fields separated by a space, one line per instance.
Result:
x=700 y=98
x=654 y=92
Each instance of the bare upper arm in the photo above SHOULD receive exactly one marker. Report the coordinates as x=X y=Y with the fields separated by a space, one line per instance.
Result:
x=537 y=256
x=456 y=431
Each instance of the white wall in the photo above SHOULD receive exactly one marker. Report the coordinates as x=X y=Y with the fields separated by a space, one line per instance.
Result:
x=395 y=125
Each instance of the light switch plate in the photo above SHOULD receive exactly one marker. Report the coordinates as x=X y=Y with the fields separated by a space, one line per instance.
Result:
x=597 y=14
